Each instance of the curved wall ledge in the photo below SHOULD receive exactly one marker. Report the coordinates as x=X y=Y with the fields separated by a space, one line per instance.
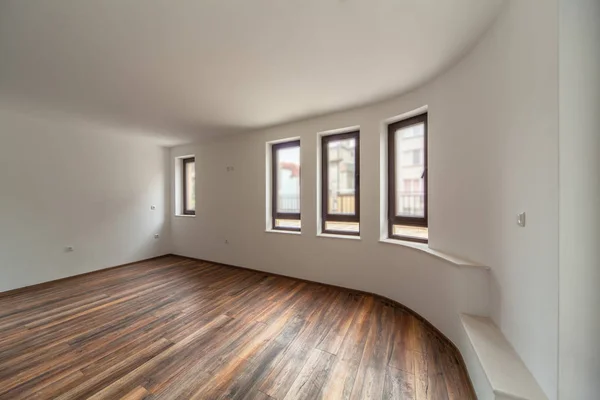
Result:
x=506 y=375
x=453 y=260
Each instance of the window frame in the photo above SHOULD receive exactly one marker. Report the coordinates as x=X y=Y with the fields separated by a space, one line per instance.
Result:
x=325 y=215
x=184 y=163
x=274 y=214
x=393 y=218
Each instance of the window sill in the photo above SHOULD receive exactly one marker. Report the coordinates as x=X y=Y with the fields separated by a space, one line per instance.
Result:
x=456 y=261
x=284 y=232
x=185 y=215
x=334 y=236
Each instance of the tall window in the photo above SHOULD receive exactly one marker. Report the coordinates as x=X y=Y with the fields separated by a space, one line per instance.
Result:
x=286 y=186
x=340 y=169
x=189 y=185
x=407 y=179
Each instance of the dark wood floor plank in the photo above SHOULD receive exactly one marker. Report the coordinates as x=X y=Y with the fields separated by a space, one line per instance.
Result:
x=254 y=371
x=177 y=328
x=59 y=386
x=95 y=383
x=332 y=342
x=454 y=375
x=372 y=370
x=279 y=381
x=403 y=354
x=398 y=385
x=345 y=368
x=165 y=360
x=201 y=373
x=85 y=352
x=429 y=378
x=224 y=348
x=139 y=393
x=309 y=382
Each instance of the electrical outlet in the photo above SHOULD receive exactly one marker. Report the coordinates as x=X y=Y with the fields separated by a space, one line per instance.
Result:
x=156 y=236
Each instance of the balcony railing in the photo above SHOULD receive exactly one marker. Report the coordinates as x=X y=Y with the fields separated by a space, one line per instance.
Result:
x=288 y=203
x=410 y=204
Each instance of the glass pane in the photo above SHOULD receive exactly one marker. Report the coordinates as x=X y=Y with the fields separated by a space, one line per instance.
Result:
x=190 y=184
x=343 y=227
x=410 y=169
x=341 y=175
x=287 y=223
x=411 y=231
x=288 y=180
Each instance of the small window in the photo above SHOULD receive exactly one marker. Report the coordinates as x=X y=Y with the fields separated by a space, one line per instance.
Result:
x=285 y=180
x=340 y=181
x=188 y=185
x=407 y=179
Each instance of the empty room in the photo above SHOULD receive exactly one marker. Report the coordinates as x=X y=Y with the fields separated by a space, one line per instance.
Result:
x=285 y=199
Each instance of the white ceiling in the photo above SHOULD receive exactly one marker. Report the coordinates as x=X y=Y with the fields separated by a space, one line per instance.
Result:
x=197 y=67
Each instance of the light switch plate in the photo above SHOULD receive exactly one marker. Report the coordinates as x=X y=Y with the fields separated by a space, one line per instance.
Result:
x=521 y=219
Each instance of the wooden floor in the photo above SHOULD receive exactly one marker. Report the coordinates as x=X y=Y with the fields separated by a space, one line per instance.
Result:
x=175 y=328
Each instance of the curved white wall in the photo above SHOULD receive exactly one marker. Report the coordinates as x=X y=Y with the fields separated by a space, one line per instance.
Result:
x=493 y=152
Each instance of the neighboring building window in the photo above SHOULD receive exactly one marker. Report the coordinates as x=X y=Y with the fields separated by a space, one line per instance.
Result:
x=412 y=157
x=407 y=179
x=418 y=157
x=189 y=185
x=286 y=186
x=340 y=181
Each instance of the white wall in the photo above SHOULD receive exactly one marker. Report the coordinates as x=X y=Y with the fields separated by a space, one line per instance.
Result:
x=579 y=346
x=71 y=184
x=493 y=153
x=502 y=104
